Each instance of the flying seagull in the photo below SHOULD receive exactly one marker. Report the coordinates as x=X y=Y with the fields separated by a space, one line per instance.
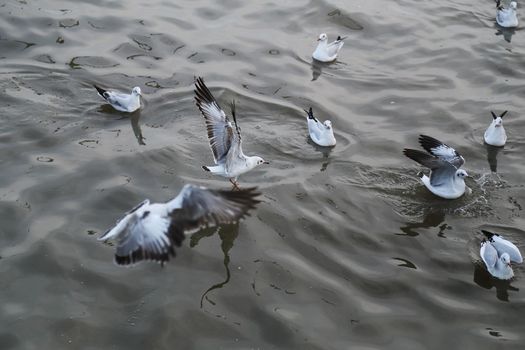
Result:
x=325 y=51
x=497 y=254
x=150 y=231
x=321 y=133
x=120 y=101
x=495 y=134
x=446 y=178
x=225 y=137
x=507 y=16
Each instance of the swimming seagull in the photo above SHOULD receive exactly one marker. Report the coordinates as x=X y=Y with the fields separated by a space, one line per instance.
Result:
x=495 y=134
x=150 y=231
x=446 y=178
x=497 y=254
x=507 y=16
x=120 y=101
x=327 y=52
x=225 y=137
x=321 y=133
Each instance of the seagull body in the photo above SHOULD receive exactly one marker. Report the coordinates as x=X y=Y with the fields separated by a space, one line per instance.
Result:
x=321 y=133
x=446 y=178
x=120 y=101
x=495 y=134
x=325 y=51
x=497 y=253
x=224 y=136
x=507 y=16
x=151 y=230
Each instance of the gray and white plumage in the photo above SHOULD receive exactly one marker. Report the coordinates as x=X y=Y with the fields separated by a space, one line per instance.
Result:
x=321 y=133
x=325 y=51
x=507 y=17
x=446 y=178
x=150 y=231
x=495 y=134
x=121 y=101
x=497 y=253
x=224 y=136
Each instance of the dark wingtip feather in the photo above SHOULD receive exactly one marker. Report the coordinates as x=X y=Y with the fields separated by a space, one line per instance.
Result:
x=100 y=90
x=489 y=234
x=428 y=142
x=503 y=114
x=493 y=115
x=310 y=113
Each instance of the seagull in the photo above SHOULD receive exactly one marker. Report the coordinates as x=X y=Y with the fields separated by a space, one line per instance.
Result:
x=506 y=16
x=327 y=52
x=225 y=138
x=497 y=254
x=121 y=102
x=446 y=178
x=495 y=134
x=321 y=133
x=150 y=231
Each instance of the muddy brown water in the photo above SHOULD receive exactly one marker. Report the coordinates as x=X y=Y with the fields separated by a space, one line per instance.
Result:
x=347 y=250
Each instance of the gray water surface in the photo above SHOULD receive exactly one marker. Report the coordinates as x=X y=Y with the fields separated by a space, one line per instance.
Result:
x=347 y=251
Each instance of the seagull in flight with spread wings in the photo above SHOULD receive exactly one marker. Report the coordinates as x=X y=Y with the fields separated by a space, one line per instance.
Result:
x=225 y=138
x=151 y=230
x=446 y=178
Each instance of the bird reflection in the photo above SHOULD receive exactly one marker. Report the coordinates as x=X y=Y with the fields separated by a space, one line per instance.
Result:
x=434 y=218
x=135 y=117
x=492 y=154
x=227 y=234
x=317 y=69
x=325 y=151
x=506 y=32
x=483 y=279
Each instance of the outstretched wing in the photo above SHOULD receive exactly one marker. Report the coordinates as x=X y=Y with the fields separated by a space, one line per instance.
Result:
x=488 y=254
x=503 y=246
x=442 y=170
x=198 y=207
x=441 y=150
x=220 y=130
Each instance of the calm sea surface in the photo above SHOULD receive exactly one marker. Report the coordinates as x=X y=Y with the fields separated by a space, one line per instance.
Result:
x=347 y=251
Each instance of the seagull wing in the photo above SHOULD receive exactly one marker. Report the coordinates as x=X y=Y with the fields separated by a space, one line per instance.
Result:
x=442 y=170
x=197 y=207
x=220 y=130
x=441 y=150
x=488 y=254
x=504 y=246
x=235 y=151
x=334 y=47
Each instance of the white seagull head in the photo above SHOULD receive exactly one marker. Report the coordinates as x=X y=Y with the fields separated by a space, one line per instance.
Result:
x=136 y=91
x=328 y=124
x=514 y=5
x=461 y=173
x=322 y=37
x=505 y=259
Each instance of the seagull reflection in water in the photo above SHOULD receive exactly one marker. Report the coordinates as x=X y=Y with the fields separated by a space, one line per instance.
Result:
x=325 y=151
x=483 y=279
x=434 y=218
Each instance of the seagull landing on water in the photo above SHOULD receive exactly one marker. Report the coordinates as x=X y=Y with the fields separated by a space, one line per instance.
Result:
x=120 y=101
x=446 y=178
x=495 y=134
x=224 y=136
x=325 y=51
x=151 y=230
x=320 y=133
x=507 y=16
x=497 y=253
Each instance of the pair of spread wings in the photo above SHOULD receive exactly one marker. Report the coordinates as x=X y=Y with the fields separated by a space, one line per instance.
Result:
x=224 y=136
x=442 y=159
x=150 y=231
x=494 y=246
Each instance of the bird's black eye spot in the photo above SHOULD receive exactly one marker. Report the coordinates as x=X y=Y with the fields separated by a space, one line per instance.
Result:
x=146 y=213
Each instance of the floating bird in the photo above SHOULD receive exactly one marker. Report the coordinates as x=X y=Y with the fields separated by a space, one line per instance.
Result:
x=507 y=16
x=120 y=101
x=151 y=230
x=497 y=254
x=225 y=138
x=321 y=133
x=327 y=52
x=446 y=178
x=495 y=134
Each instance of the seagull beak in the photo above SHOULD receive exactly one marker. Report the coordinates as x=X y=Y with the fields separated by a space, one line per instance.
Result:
x=265 y=162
